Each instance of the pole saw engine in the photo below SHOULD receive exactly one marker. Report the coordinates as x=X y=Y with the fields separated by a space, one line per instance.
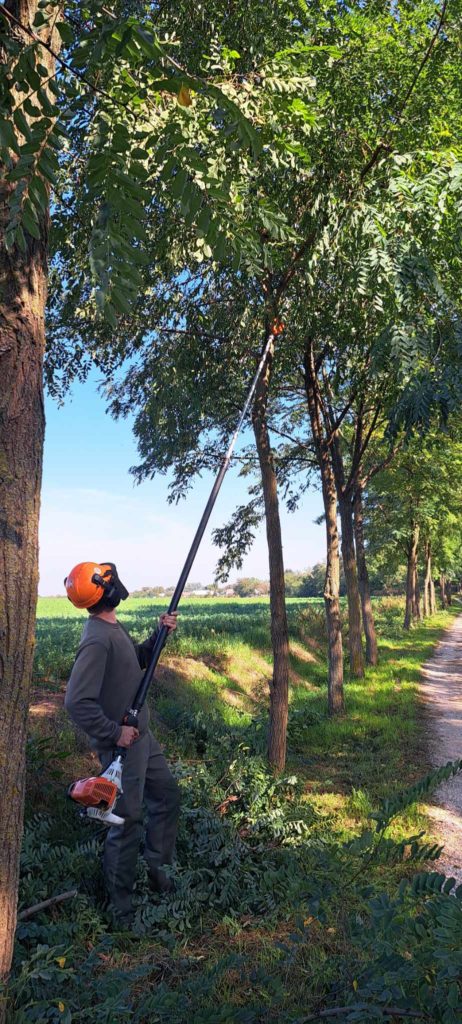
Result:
x=97 y=795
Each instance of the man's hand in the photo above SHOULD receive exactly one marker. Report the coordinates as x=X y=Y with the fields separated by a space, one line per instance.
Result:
x=169 y=620
x=128 y=736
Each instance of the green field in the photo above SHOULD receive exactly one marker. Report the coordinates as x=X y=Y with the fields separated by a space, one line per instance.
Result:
x=263 y=925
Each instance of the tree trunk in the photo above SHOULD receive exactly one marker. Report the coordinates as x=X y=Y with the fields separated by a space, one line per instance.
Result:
x=427 y=598
x=412 y=550
x=444 y=600
x=416 y=605
x=363 y=581
x=332 y=583
x=23 y=277
x=279 y=686
x=355 y=646
x=432 y=597
x=449 y=592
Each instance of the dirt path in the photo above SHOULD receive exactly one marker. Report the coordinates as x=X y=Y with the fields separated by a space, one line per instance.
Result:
x=442 y=691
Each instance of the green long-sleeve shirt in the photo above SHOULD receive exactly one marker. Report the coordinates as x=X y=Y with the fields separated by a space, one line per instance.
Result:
x=107 y=671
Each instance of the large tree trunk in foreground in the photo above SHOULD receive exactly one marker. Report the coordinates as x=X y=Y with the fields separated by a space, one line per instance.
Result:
x=22 y=338
x=279 y=686
x=412 y=550
x=355 y=646
x=23 y=278
x=363 y=581
x=332 y=584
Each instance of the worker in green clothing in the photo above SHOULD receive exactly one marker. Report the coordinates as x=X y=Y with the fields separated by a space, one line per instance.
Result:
x=105 y=677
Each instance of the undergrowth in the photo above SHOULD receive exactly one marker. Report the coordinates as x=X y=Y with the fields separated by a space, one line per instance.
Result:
x=294 y=896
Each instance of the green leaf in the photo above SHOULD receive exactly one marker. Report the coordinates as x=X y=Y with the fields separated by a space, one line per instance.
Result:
x=38 y=190
x=66 y=32
x=29 y=221
x=22 y=167
x=47 y=167
x=31 y=108
x=20 y=238
x=21 y=123
x=47 y=107
x=8 y=136
x=179 y=183
x=120 y=301
x=148 y=43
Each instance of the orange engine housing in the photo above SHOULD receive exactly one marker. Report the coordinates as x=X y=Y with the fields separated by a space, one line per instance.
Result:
x=94 y=792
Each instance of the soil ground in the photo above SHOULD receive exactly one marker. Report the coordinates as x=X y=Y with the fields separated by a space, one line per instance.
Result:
x=442 y=692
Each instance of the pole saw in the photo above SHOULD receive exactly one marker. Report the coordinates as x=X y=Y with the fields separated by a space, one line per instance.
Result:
x=97 y=795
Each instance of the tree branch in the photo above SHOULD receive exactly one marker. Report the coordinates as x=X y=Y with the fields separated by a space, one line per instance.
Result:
x=386 y=1011
x=24 y=914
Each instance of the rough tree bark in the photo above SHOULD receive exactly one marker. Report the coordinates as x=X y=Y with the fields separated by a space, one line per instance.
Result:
x=412 y=550
x=23 y=286
x=336 y=703
x=279 y=685
x=363 y=580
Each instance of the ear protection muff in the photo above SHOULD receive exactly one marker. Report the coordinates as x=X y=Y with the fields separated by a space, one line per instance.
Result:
x=114 y=590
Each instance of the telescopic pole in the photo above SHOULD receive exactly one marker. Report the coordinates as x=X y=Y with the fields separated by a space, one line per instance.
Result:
x=163 y=631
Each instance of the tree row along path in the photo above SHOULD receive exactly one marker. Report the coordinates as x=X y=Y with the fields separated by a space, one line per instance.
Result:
x=442 y=692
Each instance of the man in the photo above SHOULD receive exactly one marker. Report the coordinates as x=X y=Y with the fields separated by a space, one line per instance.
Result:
x=105 y=677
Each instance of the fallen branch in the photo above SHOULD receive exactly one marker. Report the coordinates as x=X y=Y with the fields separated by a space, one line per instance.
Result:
x=46 y=903
x=386 y=1011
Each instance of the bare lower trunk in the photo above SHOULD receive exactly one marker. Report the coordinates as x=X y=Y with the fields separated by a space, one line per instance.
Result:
x=279 y=686
x=351 y=580
x=332 y=582
x=363 y=582
x=22 y=341
x=449 y=592
x=412 y=550
x=336 y=704
x=427 y=597
x=416 y=605
x=444 y=599
x=432 y=598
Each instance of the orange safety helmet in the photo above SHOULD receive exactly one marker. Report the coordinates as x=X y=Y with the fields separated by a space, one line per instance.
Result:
x=86 y=583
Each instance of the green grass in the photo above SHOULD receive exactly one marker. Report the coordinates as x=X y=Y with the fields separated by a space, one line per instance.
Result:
x=210 y=705
x=220 y=662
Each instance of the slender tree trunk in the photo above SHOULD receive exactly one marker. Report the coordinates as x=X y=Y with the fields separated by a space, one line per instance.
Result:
x=355 y=646
x=444 y=599
x=23 y=277
x=427 y=600
x=332 y=583
x=416 y=605
x=412 y=550
x=432 y=597
x=449 y=592
x=279 y=686
x=363 y=581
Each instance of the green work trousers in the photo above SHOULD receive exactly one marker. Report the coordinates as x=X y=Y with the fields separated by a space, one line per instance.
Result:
x=146 y=779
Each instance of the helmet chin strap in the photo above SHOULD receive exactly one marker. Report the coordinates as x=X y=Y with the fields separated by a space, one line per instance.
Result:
x=114 y=589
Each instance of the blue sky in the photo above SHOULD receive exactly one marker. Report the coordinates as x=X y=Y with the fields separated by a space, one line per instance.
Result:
x=92 y=509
